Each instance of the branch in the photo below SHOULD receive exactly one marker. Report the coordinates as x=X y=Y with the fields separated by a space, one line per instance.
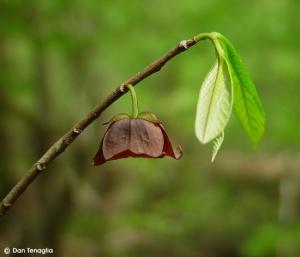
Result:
x=57 y=148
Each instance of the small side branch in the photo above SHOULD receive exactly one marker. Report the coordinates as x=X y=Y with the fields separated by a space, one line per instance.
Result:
x=67 y=139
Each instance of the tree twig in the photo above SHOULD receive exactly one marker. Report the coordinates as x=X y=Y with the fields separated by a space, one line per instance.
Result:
x=62 y=143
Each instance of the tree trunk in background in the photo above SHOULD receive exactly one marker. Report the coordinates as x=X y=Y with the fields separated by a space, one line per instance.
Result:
x=288 y=213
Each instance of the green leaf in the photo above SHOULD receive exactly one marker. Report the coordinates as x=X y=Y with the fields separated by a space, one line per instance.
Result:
x=247 y=105
x=214 y=105
x=217 y=145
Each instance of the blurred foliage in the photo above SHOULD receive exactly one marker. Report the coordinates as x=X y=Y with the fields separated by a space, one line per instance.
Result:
x=60 y=58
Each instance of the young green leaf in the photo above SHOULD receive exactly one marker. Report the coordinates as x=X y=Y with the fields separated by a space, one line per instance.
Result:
x=214 y=105
x=247 y=105
x=217 y=145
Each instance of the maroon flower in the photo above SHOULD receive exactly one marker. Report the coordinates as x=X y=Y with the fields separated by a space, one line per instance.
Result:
x=143 y=136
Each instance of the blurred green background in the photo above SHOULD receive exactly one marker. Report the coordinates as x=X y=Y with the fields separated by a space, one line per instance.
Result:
x=60 y=58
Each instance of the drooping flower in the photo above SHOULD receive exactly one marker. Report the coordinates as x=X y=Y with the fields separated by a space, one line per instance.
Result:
x=135 y=137
x=141 y=135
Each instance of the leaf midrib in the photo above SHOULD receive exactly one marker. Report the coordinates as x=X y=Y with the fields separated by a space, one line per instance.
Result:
x=212 y=98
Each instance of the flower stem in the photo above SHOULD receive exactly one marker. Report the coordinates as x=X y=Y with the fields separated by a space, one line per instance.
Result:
x=202 y=36
x=134 y=102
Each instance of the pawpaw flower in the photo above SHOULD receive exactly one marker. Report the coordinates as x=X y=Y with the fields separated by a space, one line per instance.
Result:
x=139 y=135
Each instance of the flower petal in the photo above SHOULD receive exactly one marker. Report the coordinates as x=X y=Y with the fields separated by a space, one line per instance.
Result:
x=145 y=138
x=168 y=149
x=99 y=158
x=117 y=138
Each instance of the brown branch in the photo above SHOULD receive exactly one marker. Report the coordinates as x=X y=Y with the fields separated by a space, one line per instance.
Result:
x=58 y=147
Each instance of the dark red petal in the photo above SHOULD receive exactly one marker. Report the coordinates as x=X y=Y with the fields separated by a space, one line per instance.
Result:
x=168 y=149
x=99 y=158
x=117 y=138
x=128 y=153
x=145 y=138
x=108 y=145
